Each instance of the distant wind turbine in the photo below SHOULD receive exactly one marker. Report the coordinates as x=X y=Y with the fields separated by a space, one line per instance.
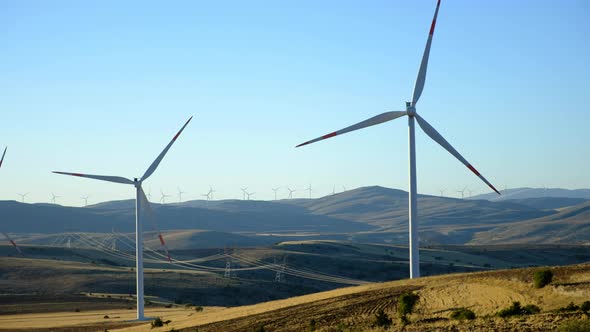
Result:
x=291 y=191
x=410 y=112
x=141 y=205
x=180 y=192
x=244 y=193
x=442 y=192
x=334 y=190
x=149 y=194
x=309 y=189
x=275 y=190
x=462 y=192
x=250 y=194
x=210 y=193
x=163 y=197
x=85 y=198
x=22 y=196
x=53 y=198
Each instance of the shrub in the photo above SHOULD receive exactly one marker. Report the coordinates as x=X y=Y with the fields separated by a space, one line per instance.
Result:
x=260 y=329
x=462 y=314
x=312 y=325
x=574 y=325
x=106 y=317
x=585 y=306
x=406 y=302
x=77 y=310
x=569 y=307
x=198 y=308
x=542 y=278
x=516 y=310
x=382 y=319
x=157 y=322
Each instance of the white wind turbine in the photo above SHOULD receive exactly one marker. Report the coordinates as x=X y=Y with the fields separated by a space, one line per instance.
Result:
x=309 y=189
x=6 y=235
x=250 y=194
x=429 y=130
x=163 y=197
x=53 y=198
x=291 y=191
x=462 y=192
x=244 y=193
x=85 y=198
x=22 y=197
x=180 y=192
x=210 y=193
x=141 y=203
x=275 y=190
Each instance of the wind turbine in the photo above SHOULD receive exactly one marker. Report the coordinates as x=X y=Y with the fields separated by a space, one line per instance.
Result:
x=141 y=203
x=149 y=194
x=470 y=192
x=163 y=197
x=442 y=192
x=291 y=191
x=250 y=194
x=211 y=191
x=310 y=190
x=85 y=198
x=244 y=193
x=6 y=235
x=334 y=190
x=429 y=130
x=180 y=192
x=53 y=197
x=275 y=190
x=22 y=196
x=462 y=192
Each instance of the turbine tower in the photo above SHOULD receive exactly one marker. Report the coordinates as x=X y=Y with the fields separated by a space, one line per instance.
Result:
x=250 y=194
x=291 y=191
x=6 y=235
x=244 y=193
x=85 y=198
x=141 y=204
x=442 y=192
x=462 y=192
x=410 y=112
x=22 y=197
x=210 y=193
x=309 y=189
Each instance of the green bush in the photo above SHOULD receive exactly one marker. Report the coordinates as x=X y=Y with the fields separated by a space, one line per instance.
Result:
x=157 y=322
x=260 y=329
x=569 y=307
x=542 y=278
x=406 y=302
x=516 y=310
x=198 y=308
x=574 y=325
x=312 y=325
x=382 y=319
x=462 y=314
x=585 y=306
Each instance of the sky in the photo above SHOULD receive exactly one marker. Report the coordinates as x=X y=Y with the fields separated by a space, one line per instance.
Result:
x=102 y=87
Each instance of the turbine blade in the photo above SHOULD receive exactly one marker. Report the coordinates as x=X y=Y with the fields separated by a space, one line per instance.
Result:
x=419 y=86
x=384 y=117
x=156 y=162
x=3 y=154
x=432 y=133
x=146 y=206
x=117 y=179
x=13 y=243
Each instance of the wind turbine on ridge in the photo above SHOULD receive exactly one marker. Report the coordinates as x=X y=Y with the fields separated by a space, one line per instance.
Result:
x=141 y=205
x=275 y=190
x=180 y=192
x=244 y=193
x=462 y=192
x=163 y=197
x=412 y=115
x=291 y=191
x=85 y=198
x=210 y=193
x=250 y=194
x=6 y=235
x=309 y=189
x=22 y=196
x=53 y=198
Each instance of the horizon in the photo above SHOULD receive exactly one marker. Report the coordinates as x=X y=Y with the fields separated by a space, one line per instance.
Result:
x=102 y=88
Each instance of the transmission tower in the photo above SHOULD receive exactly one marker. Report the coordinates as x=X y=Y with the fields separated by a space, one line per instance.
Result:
x=280 y=276
x=228 y=272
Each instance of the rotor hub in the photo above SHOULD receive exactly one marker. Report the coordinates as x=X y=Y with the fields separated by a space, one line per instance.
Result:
x=410 y=109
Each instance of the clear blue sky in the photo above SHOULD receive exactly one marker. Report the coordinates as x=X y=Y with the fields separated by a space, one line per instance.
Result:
x=101 y=87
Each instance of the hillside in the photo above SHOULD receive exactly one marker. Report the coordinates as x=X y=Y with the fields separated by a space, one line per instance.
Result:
x=354 y=308
x=570 y=225
x=521 y=193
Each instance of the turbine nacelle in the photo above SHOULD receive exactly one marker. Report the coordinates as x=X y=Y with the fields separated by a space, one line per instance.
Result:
x=410 y=108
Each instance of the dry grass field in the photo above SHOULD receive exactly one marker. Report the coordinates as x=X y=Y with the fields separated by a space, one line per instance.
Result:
x=354 y=308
